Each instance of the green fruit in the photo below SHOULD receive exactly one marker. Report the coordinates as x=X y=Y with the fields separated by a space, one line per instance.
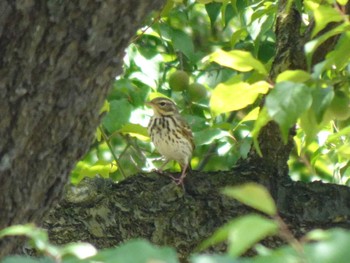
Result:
x=179 y=80
x=197 y=91
x=339 y=108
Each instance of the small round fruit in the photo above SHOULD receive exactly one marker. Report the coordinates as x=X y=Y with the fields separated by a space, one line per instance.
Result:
x=197 y=91
x=179 y=80
x=339 y=108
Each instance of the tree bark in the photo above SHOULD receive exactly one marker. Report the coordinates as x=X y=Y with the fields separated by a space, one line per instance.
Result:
x=151 y=206
x=57 y=61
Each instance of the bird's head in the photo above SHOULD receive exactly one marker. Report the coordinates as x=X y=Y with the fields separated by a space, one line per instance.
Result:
x=163 y=106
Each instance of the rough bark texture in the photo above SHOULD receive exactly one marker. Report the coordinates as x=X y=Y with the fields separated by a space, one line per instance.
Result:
x=151 y=206
x=57 y=61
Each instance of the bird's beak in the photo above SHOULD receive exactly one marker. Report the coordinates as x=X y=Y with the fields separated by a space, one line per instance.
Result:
x=149 y=103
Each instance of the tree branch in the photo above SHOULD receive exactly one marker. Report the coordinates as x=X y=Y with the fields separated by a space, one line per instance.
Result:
x=151 y=206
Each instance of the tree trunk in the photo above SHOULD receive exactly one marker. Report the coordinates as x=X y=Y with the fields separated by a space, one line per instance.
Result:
x=57 y=61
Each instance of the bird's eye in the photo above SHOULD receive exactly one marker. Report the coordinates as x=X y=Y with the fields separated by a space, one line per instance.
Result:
x=162 y=104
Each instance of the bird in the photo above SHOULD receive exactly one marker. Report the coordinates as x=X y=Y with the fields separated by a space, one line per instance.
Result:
x=171 y=135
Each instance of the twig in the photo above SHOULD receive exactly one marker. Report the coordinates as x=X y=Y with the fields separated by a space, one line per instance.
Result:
x=112 y=152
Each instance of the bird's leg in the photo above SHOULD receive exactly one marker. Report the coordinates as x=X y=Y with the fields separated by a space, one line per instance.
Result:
x=160 y=170
x=180 y=181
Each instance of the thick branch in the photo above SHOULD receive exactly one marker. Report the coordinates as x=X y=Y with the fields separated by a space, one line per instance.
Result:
x=153 y=207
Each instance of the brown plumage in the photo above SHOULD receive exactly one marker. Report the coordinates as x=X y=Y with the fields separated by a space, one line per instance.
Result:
x=170 y=134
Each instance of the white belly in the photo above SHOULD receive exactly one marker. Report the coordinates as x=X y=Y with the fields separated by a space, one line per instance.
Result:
x=171 y=146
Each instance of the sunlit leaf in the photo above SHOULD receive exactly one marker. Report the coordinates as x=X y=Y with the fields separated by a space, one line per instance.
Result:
x=342 y=2
x=101 y=167
x=242 y=233
x=324 y=15
x=309 y=125
x=105 y=107
x=98 y=134
x=153 y=95
x=238 y=60
x=29 y=230
x=253 y=195
x=338 y=135
x=130 y=252
x=247 y=231
x=79 y=250
x=214 y=258
x=26 y=259
x=312 y=45
x=297 y=76
x=333 y=247
x=321 y=98
x=286 y=102
x=344 y=151
x=339 y=57
x=261 y=121
x=228 y=97
x=118 y=115
x=207 y=136
x=251 y=116
x=135 y=130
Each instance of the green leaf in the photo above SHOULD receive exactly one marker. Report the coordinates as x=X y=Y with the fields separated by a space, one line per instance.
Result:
x=336 y=136
x=312 y=45
x=229 y=96
x=261 y=121
x=135 y=130
x=342 y=2
x=208 y=136
x=219 y=236
x=183 y=42
x=136 y=251
x=26 y=259
x=238 y=60
x=213 y=11
x=105 y=107
x=333 y=247
x=242 y=233
x=340 y=56
x=286 y=102
x=27 y=230
x=84 y=169
x=212 y=258
x=323 y=16
x=253 y=195
x=321 y=98
x=344 y=151
x=251 y=116
x=297 y=76
x=118 y=115
x=309 y=125
x=38 y=236
x=79 y=250
x=248 y=230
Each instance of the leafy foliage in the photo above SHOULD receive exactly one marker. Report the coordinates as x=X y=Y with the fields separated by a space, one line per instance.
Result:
x=227 y=47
